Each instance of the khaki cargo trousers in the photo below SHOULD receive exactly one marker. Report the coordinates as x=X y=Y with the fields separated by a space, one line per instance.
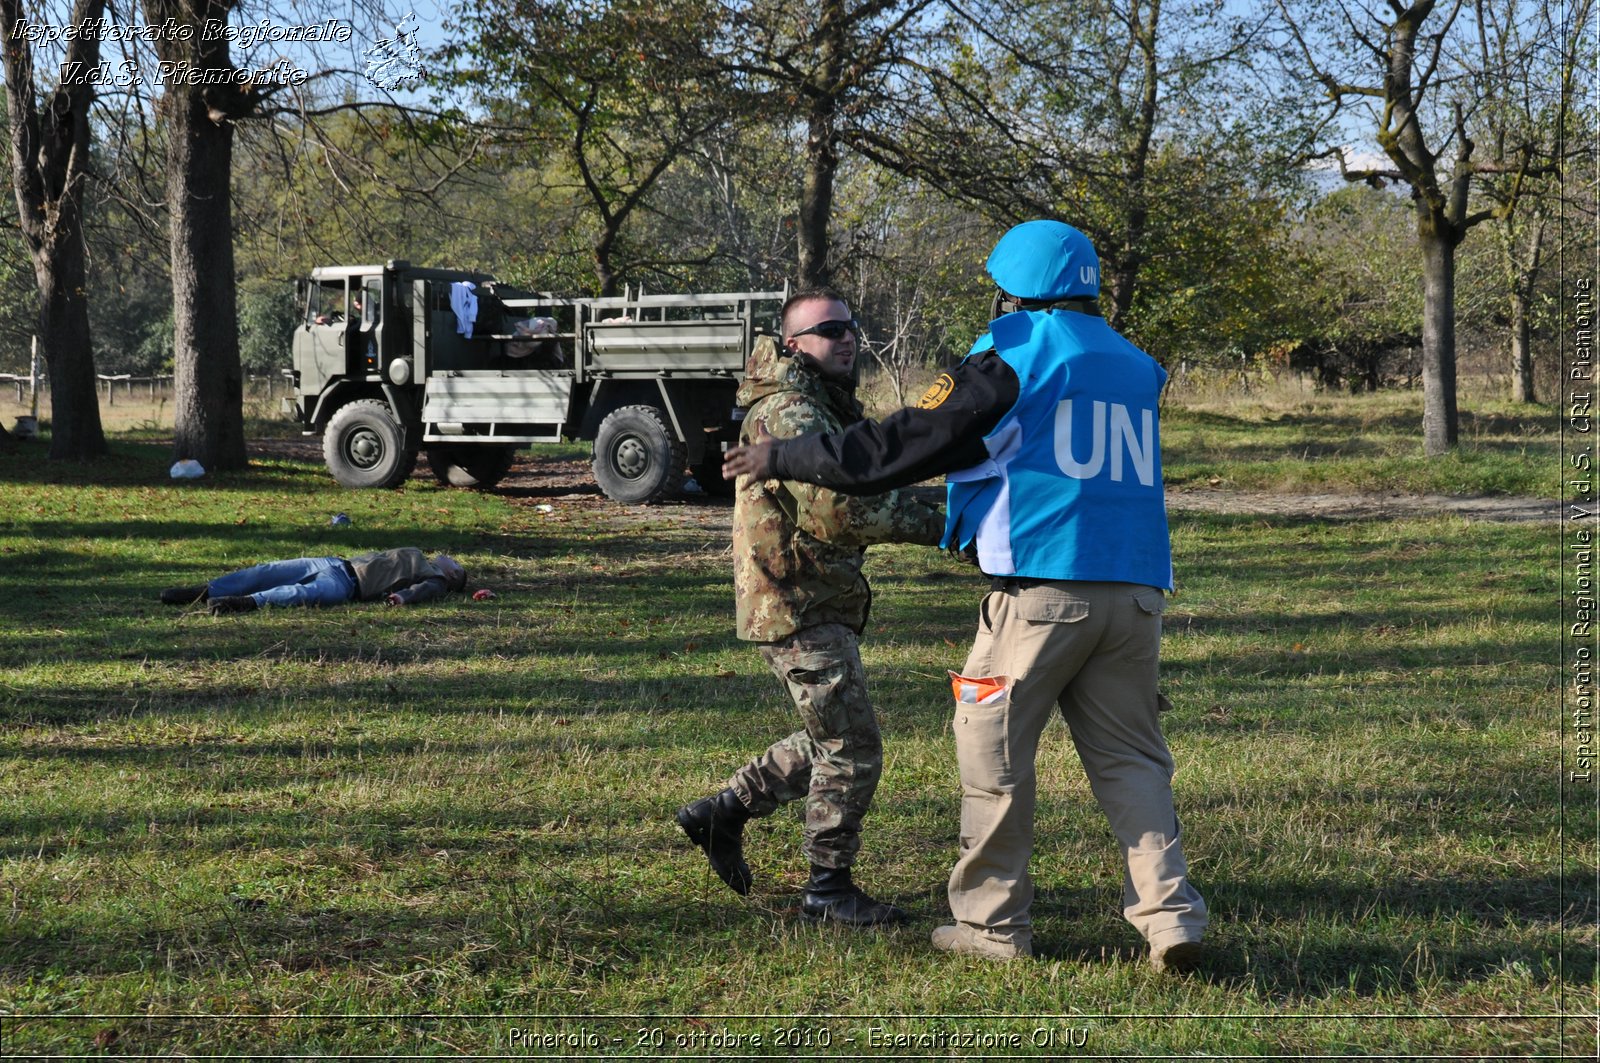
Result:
x=1089 y=649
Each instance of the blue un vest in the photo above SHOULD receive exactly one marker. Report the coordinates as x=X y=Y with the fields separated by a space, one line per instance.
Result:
x=1072 y=486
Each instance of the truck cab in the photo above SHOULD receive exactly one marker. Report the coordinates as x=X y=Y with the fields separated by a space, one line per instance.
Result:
x=394 y=360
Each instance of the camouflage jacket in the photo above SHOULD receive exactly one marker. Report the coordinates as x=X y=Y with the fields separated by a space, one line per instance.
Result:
x=798 y=548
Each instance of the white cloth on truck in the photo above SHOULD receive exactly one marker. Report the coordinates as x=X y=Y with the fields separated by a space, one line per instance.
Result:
x=465 y=304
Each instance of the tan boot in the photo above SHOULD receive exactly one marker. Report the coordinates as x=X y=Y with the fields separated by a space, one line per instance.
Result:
x=1176 y=957
x=968 y=942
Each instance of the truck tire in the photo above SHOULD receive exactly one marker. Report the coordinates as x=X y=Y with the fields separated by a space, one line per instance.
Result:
x=470 y=465
x=361 y=446
x=636 y=458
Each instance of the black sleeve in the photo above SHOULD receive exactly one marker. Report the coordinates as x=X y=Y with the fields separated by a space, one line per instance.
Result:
x=912 y=444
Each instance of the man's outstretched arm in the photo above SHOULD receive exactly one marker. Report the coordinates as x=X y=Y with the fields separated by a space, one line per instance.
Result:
x=943 y=433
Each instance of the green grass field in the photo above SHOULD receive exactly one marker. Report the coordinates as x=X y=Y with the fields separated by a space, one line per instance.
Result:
x=448 y=830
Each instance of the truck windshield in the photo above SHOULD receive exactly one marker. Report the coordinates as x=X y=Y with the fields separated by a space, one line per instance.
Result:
x=326 y=303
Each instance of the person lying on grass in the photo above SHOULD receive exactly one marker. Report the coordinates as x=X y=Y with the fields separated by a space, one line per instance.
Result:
x=402 y=576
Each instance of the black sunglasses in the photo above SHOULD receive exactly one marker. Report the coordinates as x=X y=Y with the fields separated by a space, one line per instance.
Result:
x=831 y=330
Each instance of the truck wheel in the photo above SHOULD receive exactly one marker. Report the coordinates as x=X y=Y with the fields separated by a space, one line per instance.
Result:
x=470 y=465
x=361 y=446
x=636 y=458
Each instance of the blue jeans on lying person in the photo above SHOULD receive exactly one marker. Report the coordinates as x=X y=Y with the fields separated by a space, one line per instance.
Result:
x=302 y=581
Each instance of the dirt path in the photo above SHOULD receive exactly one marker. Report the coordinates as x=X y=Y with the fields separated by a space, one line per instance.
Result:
x=568 y=484
x=1387 y=506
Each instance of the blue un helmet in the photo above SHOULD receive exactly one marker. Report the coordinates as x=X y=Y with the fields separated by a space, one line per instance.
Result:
x=1044 y=262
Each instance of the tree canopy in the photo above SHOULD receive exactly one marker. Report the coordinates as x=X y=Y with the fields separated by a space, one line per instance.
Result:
x=883 y=145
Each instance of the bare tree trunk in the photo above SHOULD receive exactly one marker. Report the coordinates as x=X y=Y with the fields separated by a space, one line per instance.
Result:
x=75 y=430
x=1522 y=389
x=604 y=271
x=1130 y=257
x=822 y=148
x=49 y=169
x=1438 y=342
x=208 y=383
x=1522 y=263
x=816 y=197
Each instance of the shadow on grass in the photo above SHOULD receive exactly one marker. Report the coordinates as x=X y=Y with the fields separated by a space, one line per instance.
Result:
x=1319 y=560
x=655 y=667
x=79 y=588
x=1373 y=660
x=65 y=575
x=565 y=694
x=604 y=611
x=578 y=926
x=526 y=899
x=134 y=464
x=387 y=833
x=1399 y=937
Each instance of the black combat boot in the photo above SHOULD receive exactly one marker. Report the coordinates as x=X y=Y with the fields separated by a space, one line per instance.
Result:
x=240 y=603
x=716 y=824
x=185 y=595
x=831 y=897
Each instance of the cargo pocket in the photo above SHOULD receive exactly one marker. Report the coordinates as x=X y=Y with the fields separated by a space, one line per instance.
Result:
x=1151 y=601
x=983 y=709
x=1145 y=642
x=830 y=704
x=1042 y=606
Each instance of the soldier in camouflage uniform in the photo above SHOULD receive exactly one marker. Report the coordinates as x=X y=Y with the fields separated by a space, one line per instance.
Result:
x=798 y=551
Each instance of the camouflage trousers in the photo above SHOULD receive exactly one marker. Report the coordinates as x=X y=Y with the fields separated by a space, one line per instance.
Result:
x=833 y=763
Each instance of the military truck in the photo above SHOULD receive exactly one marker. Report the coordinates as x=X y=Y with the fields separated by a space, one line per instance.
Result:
x=392 y=360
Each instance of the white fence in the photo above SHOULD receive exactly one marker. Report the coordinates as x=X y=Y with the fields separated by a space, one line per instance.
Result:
x=113 y=385
x=24 y=385
x=149 y=383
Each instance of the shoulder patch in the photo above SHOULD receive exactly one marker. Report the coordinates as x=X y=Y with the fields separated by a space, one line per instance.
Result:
x=937 y=392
